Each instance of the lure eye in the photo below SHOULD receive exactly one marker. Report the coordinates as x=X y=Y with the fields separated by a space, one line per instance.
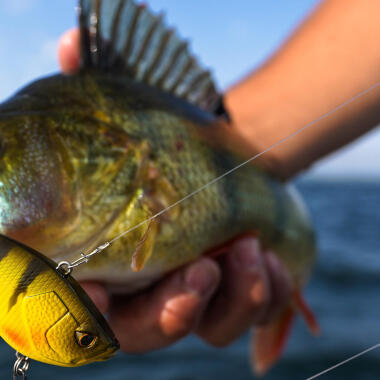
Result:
x=84 y=339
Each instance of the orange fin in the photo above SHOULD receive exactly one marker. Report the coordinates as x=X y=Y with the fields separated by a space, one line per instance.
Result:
x=144 y=249
x=269 y=341
x=306 y=313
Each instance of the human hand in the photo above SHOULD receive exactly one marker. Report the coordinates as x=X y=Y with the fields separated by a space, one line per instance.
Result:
x=218 y=299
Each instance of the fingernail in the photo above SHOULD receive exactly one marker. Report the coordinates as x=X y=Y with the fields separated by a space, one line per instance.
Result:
x=202 y=277
x=246 y=255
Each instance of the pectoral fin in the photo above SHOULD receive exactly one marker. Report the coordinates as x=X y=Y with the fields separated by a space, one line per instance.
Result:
x=142 y=238
x=144 y=248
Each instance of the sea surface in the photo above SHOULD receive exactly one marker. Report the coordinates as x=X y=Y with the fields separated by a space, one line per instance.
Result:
x=344 y=293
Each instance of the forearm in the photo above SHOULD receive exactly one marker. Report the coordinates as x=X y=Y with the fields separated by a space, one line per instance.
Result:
x=332 y=57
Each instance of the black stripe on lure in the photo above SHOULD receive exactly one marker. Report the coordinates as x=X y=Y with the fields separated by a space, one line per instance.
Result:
x=45 y=315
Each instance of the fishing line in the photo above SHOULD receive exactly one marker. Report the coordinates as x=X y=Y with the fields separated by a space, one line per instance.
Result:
x=85 y=257
x=344 y=362
x=308 y=125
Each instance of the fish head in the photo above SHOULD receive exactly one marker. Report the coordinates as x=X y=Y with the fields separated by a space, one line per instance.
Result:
x=45 y=314
x=37 y=194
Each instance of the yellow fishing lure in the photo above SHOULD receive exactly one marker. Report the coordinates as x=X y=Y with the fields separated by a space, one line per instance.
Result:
x=45 y=314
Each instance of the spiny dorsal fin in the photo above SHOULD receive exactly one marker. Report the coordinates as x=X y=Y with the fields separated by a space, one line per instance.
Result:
x=122 y=36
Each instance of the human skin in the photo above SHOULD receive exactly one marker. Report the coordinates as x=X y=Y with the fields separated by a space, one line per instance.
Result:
x=333 y=56
x=217 y=299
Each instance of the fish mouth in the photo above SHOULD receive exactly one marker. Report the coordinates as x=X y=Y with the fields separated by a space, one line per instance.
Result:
x=115 y=346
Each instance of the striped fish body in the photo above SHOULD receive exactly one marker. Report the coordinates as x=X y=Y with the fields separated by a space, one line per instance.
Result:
x=119 y=153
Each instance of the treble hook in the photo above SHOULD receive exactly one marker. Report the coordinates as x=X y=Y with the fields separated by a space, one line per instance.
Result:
x=20 y=367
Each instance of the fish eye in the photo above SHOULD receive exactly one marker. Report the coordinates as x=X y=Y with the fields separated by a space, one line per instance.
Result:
x=85 y=339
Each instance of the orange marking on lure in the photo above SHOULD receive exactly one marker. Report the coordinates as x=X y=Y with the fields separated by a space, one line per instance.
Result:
x=16 y=339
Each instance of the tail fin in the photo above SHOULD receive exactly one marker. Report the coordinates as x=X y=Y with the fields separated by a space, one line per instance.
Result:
x=269 y=341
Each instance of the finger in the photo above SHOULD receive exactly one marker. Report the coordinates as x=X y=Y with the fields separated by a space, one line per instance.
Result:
x=68 y=51
x=167 y=312
x=98 y=294
x=243 y=297
x=281 y=286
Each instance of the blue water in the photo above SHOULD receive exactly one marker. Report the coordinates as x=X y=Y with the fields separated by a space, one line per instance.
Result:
x=344 y=293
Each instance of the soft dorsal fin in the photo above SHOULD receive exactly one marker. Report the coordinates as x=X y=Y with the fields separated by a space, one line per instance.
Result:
x=122 y=36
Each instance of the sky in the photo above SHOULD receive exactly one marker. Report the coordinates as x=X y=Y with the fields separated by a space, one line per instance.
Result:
x=231 y=37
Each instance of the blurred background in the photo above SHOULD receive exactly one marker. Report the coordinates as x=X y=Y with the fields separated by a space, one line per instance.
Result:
x=342 y=191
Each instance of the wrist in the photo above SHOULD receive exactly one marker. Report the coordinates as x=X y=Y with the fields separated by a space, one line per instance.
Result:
x=252 y=119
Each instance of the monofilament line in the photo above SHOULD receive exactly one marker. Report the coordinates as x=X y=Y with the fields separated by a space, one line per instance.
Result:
x=103 y=246
x=344 y=362
x=308 y=125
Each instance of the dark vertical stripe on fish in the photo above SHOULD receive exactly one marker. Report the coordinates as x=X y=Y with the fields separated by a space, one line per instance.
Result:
x=34 y=268
x=279 y=225
x=5 y=247
x=225 y=162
